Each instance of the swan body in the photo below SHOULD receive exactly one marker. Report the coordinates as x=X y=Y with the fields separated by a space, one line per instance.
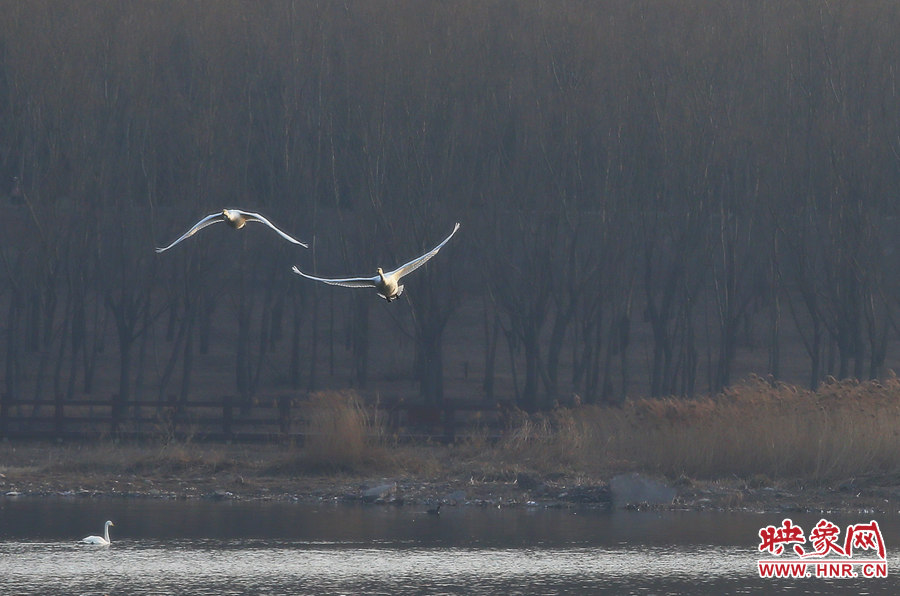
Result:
x=99 y=540
x=388 y=284
x=235 y=218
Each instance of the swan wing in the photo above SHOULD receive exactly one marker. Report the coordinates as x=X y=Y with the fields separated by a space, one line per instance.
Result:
x=348 y=282
x=206 y=221
x=419 y=261
x=263 y=220
x=94 y=540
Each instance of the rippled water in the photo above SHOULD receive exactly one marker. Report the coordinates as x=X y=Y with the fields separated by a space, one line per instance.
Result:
x=178 y=547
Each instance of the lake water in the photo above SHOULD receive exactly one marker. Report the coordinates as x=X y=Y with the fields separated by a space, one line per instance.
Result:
x=202 y=547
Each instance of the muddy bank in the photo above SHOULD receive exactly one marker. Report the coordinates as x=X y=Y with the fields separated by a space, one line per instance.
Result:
x=271 y=473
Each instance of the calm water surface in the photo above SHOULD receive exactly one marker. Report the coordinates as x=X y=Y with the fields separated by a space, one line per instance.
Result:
x=179 y=547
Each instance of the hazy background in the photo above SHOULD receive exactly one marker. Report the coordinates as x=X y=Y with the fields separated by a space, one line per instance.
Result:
x=656 y=197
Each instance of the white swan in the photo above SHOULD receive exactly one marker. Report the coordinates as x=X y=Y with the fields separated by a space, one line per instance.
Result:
x=234 y=218
x=387 y=284
x=99 y=540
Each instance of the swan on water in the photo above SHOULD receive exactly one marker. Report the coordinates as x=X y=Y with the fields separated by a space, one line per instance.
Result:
x=234 y=218
x=387 y=284
x=100 y=540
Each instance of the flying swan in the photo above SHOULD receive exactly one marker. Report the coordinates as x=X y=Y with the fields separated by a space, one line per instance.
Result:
x=234 y=218
x=387 y=284
x=99 y=540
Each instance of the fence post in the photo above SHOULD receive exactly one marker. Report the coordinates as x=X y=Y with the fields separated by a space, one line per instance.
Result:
x=284 y=415
x=4 y=414
x=226 y=416
x=170 y=414
x=114 y=414
x=449 y=424
x=58 y=418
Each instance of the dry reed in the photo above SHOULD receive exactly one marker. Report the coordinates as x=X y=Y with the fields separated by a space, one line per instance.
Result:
x=755 y=428
x=340 y=434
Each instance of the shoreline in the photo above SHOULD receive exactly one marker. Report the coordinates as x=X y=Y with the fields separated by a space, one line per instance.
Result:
x=263 y=473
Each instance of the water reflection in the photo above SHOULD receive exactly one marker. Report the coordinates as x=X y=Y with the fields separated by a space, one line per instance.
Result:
x=251 y=548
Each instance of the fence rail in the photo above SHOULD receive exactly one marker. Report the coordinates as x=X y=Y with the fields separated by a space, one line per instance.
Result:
x=266 y=419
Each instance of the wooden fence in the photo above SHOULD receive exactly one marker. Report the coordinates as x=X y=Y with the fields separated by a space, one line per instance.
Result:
x=278 y=418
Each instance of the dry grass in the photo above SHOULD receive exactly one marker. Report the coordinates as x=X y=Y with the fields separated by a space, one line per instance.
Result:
x=340 y=434
x=754 y=429
x=170 y=458
x=179 y=458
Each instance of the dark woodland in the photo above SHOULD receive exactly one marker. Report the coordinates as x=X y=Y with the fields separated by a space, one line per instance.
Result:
x=656 y=198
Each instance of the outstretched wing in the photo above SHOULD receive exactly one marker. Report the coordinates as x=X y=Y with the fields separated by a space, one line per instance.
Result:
x=206 y=221
x=419 y=261
x=261 y=219
x=350 y=282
